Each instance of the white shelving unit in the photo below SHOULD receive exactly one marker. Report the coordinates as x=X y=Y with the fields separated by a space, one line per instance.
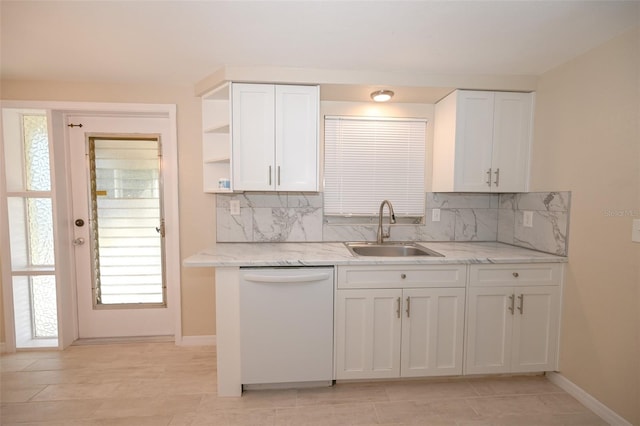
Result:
x=216 y=138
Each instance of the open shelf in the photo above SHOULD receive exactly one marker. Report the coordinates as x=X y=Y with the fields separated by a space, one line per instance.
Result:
x=217 y=191
x=216 y=138
x=221 y=128
x=212 y=160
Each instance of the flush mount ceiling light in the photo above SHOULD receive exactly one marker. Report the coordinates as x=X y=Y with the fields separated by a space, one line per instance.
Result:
x=381 y=95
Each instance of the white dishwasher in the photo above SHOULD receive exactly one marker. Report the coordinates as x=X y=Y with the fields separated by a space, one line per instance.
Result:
x=286 y=325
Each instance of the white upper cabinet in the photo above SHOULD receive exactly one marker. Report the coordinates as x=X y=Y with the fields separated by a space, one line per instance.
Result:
x=296 y=159
x=482 y=142
x=274 y=137
x=253 y=124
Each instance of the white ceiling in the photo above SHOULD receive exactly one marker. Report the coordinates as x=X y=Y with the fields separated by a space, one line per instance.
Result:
x=183 y=42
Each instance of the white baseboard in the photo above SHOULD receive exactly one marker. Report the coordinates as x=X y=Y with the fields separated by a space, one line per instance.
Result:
x=208 y=340
x=604 y=412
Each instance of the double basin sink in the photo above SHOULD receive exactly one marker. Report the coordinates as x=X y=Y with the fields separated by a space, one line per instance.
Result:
x=390 y=249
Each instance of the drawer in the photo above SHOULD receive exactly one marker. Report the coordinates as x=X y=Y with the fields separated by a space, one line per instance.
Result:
x=516 y=274
x=402 y=276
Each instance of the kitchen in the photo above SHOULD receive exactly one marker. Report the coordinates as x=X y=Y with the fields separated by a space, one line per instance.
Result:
x=579 y=104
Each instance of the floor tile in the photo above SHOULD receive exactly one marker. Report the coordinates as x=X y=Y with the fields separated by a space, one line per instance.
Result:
x=417 y=390
x=425 y=412
x=48 y=411
x=524 y=385
x=343 y=393
x=20 y=392
x=161 y=384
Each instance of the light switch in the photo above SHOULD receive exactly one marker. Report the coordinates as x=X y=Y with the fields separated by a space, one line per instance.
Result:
x=527 y=219
x=234 y=206
x=635 y=232
x=435 y=215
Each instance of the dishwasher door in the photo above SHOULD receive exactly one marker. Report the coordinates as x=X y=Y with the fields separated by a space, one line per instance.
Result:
x=286 y=325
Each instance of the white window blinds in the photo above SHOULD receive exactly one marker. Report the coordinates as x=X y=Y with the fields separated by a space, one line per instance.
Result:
x=368 y=160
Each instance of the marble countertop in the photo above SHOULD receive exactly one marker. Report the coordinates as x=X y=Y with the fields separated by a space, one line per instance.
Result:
x=306 y=254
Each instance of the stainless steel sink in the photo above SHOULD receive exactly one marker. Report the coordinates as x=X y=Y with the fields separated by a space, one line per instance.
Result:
x=390 y=250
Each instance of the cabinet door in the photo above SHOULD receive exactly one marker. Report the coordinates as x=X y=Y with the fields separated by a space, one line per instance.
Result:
x=474 y=140
x=489 y=325
x=432 y=332
x=368 y=334
x=296 y=126
x=535 y=333
x=253 y=138
x=512 y=124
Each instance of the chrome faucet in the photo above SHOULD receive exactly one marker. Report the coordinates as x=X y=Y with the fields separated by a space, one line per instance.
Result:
x=392 y=219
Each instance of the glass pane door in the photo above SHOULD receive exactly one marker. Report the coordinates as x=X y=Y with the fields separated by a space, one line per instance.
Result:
x=126 y=217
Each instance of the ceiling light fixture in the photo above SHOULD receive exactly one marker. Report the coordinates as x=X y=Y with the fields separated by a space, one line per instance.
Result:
x=381 y=95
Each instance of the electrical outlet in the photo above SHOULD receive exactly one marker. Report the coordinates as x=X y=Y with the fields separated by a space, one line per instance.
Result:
x=527 y=219
x=435 y=215
x=234 y=207
x=635 y=232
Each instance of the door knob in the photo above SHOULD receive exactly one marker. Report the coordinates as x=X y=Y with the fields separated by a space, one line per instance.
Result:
x=79 y=222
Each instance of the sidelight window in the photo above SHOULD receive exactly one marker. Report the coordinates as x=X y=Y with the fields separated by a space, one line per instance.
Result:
x=30 y=220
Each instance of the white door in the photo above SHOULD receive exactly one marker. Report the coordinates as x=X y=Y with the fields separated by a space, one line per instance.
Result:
x=511 y=141
x=489 y=324
x=474 y=141
x=535 y=334
x=432 y=332
x=368 y=333
x=253 y=137
x=296 y=138
x=116 y=179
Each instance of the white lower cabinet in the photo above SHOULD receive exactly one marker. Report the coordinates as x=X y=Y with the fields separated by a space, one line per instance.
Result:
x=513 y=328
x=368 y=333
x=432 y=332
x=399 y=332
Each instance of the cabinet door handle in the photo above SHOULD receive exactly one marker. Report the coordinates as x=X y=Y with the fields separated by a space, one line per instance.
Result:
x=278 y=175
x=521 y=304
x=269 y=175
x=511 y=303
x=399 y=304
x=489 y=178
x=408 y=307
x=497 y=173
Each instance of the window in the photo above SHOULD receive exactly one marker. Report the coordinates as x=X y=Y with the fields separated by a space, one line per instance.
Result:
x=30 y=220
x=368 y=160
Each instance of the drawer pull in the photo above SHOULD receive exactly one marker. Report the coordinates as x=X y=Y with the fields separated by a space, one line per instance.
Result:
x=521 y=307
x=515 y=274
x=403 y=276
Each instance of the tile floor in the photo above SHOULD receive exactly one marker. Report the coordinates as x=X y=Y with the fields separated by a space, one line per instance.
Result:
x=160 y=384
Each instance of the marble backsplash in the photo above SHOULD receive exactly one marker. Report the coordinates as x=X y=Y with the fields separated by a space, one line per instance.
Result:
x=550 y=229
x=298 y=217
